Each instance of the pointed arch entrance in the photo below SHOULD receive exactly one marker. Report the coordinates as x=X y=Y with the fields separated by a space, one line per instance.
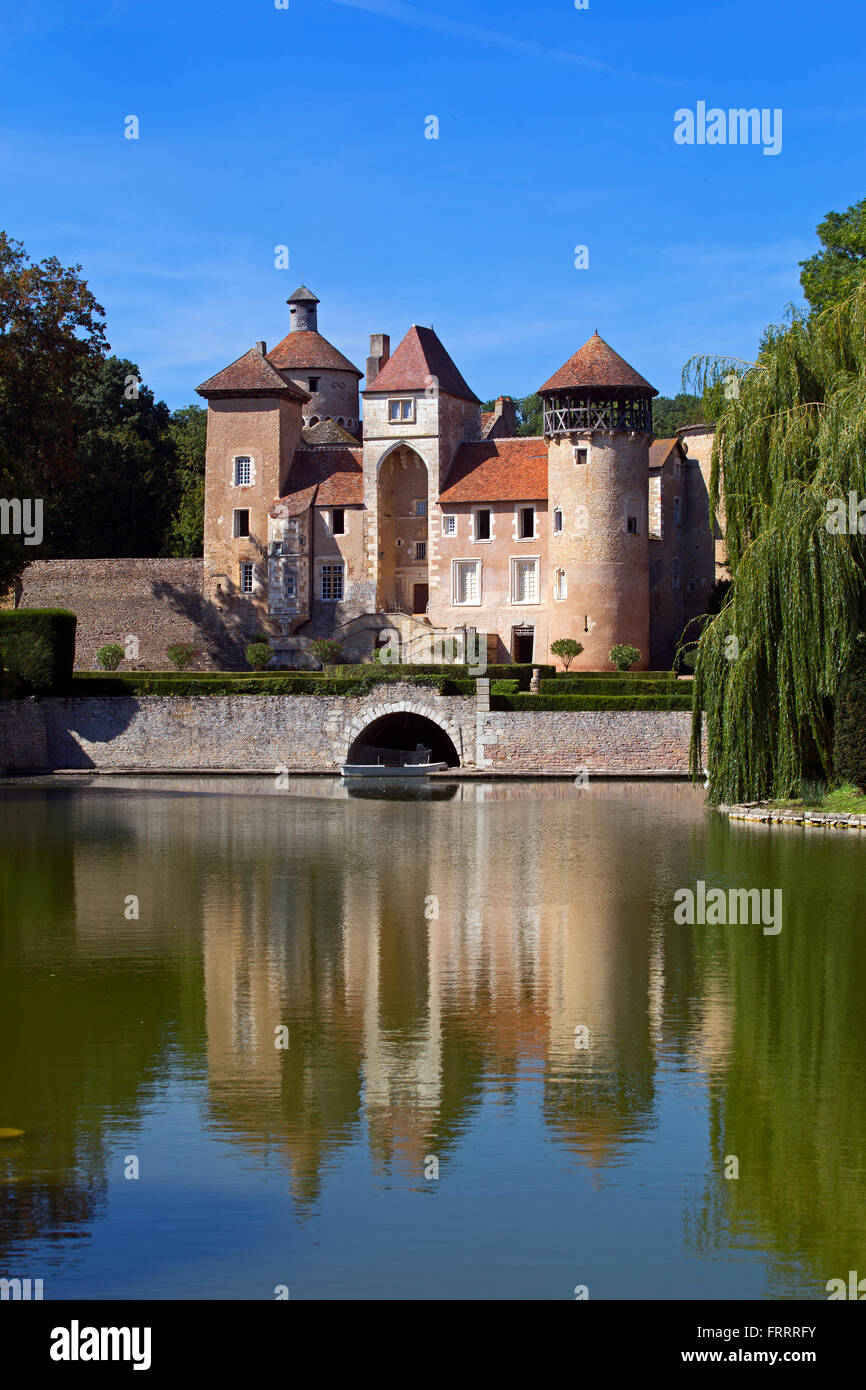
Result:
x=404 y=578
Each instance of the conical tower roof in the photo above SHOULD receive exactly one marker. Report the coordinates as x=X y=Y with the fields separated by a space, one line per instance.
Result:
x=597 y=365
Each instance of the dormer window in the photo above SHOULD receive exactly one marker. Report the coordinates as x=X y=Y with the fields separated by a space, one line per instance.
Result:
x=401 y=412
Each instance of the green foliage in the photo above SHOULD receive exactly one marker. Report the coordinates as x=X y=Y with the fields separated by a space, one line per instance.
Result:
x=834 y=272
x=671 y=413
x=258 y=655
x=530 y=414
x=326 y=651
x=243 y=683
x=566 y=648
x=11 y=686
x=52 y=628
x=188 y=435
x=181 y=655
x=849 y=745
x=615 y=685
x=110 y=656
x=524 y=701
x=623 y=655
x=31 y=659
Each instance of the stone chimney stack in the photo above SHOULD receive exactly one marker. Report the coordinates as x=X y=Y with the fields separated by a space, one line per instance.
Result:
x=380 y=351
x=506 y=412
x=262 y=348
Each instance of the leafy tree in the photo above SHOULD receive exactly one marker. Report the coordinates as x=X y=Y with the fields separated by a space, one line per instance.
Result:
x=790 y=446
x=52 y=334
x=188 y=433
x=258 y=655
x=566 y=648
x=834 y=272
x=326 y=651
x=670 y=413
x=530 y=415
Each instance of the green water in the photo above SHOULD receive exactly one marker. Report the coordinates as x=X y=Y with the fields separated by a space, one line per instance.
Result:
x=429 y=961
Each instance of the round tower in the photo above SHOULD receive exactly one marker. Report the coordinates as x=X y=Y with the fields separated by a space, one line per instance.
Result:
x=311 y=362
x=598 y=427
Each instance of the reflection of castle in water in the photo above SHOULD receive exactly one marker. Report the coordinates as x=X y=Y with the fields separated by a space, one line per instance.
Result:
x=415 y=971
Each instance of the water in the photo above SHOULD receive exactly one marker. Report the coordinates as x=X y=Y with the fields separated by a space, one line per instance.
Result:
x=431 y=958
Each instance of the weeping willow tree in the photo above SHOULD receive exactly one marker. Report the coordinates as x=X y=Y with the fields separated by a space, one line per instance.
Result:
x=789 y=450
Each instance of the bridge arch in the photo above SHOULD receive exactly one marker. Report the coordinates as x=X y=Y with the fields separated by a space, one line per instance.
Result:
x=400 y=725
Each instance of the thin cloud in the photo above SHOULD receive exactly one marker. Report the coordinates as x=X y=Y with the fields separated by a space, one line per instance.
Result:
x=443 y=24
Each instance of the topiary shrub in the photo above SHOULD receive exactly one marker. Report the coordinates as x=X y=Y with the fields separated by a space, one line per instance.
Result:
x=849 y=741
x=55 y=628
x=181 y=655
x=110 y=656
x=258 y=655
x=623 y=656
x=31 y=660
x=566 y=648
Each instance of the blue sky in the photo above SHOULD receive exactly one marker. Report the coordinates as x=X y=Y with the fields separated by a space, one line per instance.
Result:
x=305 y=127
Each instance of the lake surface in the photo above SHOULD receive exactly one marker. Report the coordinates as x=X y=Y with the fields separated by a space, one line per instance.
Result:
x=431 y=960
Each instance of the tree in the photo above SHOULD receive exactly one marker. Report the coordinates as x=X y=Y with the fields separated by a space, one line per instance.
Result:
x=833 y=273
x=188 y=434
x=670 y=413
x=566 y=648
x=530 y=413
x=326 y=651
x=790 y=448
x=52 y=333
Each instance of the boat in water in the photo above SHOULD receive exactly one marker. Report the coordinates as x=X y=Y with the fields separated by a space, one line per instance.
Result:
x=394 y=762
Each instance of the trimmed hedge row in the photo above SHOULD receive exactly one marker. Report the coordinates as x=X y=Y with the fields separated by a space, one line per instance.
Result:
x=576 y=685
x=521 y=672
x=101 y=683
x=523 y=701
x=52 y=627
x=616 y=675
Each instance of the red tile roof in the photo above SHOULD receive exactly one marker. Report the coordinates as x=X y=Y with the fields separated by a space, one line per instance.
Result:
x=498 y=470
x=328 y=477
x=305 y=350
x=596 y=364
x=417 y=358
x=250 y=375
x=660 y=451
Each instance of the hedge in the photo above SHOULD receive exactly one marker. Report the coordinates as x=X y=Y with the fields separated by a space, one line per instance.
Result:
x=613 y=675
x=497 y=671
x=523 y=701
x=101 y=683
x=576 y=685
x=849 y=739
x=55 y=626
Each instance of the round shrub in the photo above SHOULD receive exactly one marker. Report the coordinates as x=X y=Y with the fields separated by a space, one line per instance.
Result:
x=110 y=656
x=258 y=655
x=181 y=655
x=623 y=655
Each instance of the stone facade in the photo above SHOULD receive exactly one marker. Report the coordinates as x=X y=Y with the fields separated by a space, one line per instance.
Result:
x=249 y=733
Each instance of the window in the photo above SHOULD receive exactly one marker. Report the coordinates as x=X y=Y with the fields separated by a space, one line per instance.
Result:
x=338 y=521
x=314 y=383
x=691 y=586
x=419 y=506
x=399 y=412
x=466 y=581
x=247 y=572
x=482 y=524
x=290 y=582
x=420 y=550
x=559 y=586
x=526 y=529
x=631 y=525
x=241 y=522
x=557 y=519
x=678 y=511
x=524 y=581
x=242 y=470
x=581 y=455
x=449 y=526
x=332 y=583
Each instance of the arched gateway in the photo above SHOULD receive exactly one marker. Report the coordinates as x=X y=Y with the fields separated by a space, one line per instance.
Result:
x=399 y=726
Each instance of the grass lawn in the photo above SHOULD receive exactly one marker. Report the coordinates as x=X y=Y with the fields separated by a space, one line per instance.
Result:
x=816 y=797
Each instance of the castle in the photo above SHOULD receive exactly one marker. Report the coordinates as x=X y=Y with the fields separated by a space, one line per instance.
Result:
x=426 y=514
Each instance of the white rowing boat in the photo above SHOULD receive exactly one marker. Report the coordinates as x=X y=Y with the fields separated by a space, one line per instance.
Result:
x=394 y=770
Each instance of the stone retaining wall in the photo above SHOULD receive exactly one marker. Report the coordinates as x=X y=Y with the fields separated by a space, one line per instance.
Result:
x=313 y=733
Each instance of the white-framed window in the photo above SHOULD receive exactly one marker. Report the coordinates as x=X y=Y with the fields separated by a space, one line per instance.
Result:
x=240 y=522
x=581 y=453
x=331 y=583
x=248 y=572
x=557 y=519
x=290 y=582
x=560 y=587
x=526 y=523
x=243 y=470
x=481 y=524
x=420 y=550
x=401 y=412
x=338 y=521
x=449 y=525
x=466 y=582
x=524 y=580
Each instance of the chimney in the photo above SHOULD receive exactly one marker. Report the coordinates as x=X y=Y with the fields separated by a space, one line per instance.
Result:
x=506 y=412
x=262 y=348
x=380 y=351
